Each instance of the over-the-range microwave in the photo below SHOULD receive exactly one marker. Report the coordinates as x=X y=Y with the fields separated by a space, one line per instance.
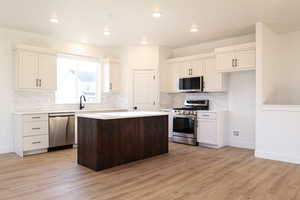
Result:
x=192 y=84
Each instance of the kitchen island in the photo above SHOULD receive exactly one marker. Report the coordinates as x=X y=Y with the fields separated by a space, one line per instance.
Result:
x=106 y=140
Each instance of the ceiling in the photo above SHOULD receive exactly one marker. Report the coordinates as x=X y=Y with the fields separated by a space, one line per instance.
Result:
x=131 y=20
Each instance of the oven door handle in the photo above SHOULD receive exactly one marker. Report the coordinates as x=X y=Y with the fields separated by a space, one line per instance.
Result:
x=185 y=116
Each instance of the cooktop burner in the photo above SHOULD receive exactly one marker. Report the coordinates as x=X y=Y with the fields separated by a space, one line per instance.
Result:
x=194 y=105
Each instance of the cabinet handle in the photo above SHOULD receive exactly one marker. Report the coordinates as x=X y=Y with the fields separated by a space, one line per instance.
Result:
x=191 y=71
x=36 y=128
x=205 y=115
x=36 y=142
x=236 y=62
x=110 y=86
x=36 y=82
x=40 y=82
x=35 y=117
x=232 y=63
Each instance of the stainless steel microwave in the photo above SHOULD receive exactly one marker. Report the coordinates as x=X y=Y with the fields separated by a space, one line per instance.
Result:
x=192 y=84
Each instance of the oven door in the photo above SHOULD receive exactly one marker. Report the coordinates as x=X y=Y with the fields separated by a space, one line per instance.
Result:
x=184 y=126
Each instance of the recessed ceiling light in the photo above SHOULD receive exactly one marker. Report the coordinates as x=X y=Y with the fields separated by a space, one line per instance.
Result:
x=107 y=33
x=156 y=14
x=53 y=20
x=144 y=41
x=194 y=29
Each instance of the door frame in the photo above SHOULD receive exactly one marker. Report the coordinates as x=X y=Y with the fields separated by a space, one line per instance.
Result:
x=133 y=71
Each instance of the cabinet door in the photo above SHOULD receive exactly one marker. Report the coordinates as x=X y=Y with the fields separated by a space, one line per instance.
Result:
x=213 y=80
x=47 y=71
x=27 y=70
x=183 y=70
x=246 y=59
x=207 y=132
x=197 y=68
x=115 y=77
x=111 y=77
x=225 y=61
x=172 y=78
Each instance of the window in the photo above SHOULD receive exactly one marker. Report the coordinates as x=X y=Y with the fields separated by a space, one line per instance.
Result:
x=77 y=76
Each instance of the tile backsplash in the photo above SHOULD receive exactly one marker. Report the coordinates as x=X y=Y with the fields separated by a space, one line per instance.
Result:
x=218 y=101
x=32 y=101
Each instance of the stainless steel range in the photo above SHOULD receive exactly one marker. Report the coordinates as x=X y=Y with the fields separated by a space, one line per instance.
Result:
x=185 y=121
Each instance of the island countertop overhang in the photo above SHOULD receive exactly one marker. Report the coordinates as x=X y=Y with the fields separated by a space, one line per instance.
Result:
x=122 y=115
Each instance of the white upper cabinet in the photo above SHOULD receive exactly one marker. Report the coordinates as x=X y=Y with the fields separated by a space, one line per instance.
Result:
x=197 y=68
x=27 y=70
x=190 y=68
x=47 y=72
x=213 y=80
x=35 y=68
x=246 y=59
x=111 y=75
x=236 y=58
x=193 y=66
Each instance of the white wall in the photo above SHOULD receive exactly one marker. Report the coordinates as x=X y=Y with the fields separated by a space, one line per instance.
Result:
x=11 y=100
x=280 y=60
x=241 y=107
x=277 y=127
x=289 y=70
x=209 y=47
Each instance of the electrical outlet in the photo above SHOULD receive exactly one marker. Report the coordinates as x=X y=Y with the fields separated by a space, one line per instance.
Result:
x=236 y=133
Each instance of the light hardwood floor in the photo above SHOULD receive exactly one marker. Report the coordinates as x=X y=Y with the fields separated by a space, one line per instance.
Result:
x=189 y=173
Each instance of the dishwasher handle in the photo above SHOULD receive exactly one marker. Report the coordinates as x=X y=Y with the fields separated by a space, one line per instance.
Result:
x=61 y=114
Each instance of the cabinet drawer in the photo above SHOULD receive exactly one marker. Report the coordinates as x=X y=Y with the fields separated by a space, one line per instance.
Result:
x=35 y=142
x=35 y=128
x=35 y=117
x=203 y=115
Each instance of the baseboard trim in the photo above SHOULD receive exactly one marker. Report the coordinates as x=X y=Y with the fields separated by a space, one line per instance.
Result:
x=5 y=149
x=241 y=144
x=277 y=157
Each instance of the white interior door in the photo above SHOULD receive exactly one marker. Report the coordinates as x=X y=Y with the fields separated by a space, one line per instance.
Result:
x=145 y=90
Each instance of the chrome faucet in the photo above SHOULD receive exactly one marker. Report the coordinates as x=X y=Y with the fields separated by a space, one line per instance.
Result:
x=81 y=106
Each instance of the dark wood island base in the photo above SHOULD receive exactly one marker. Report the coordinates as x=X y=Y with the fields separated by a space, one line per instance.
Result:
x=104 y=144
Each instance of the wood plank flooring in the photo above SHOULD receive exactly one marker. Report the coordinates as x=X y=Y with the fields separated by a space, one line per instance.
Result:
x=186 y=173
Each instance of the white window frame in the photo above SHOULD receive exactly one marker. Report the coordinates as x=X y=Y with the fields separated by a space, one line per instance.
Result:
x=99 y=80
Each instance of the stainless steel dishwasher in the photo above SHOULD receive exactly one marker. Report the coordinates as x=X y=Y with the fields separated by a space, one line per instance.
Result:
x=61 y=130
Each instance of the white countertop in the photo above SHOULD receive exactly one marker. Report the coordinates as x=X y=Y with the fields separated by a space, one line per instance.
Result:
x=64 y=111
x=122 y=115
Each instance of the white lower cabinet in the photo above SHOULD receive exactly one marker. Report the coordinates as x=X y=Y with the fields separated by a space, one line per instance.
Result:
x=35 y=142
x=210 y=129
x=31 y=134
